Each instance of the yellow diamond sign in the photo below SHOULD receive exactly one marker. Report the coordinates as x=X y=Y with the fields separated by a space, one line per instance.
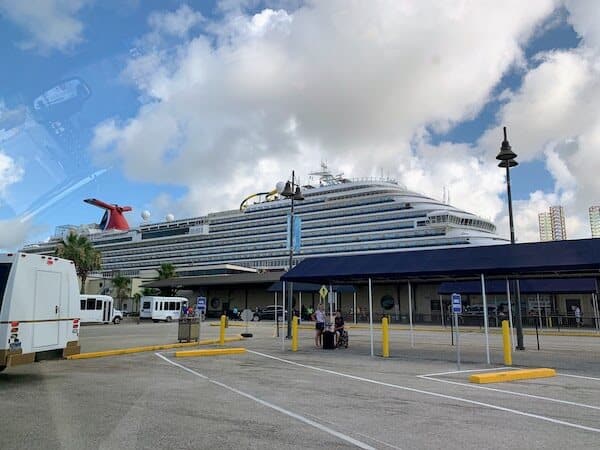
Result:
x=323 y=292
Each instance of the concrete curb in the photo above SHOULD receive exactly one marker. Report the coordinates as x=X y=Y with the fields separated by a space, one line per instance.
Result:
x=210 y=352
x=511 y=375
x=149 y=348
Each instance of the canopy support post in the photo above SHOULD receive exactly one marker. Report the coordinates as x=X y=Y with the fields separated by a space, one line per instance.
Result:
x=485 y=320
x=410 y=315
x=354 y=307
x=510 y=317
x=371 y=315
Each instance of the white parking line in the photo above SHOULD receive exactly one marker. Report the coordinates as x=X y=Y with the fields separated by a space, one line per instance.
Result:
x=434 y=394
x=387 y=444
x=504 y=391
x=307 y=421
x=578 y=376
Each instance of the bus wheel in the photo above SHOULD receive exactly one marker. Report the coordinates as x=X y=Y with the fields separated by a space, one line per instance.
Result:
x=169 y=318
x=154 y=320
x=117 y=320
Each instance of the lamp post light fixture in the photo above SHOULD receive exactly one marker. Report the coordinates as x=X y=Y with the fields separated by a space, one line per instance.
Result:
x=507 y=160
x=291 y=191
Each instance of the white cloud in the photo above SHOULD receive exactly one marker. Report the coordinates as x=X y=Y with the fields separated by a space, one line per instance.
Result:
x=555 y=117
x=49 y=24
x=10 y=173
x=13 y=233
x=177 y=23
x=355 y=83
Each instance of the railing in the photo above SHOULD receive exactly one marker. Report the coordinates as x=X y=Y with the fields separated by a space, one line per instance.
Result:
x=555 y=322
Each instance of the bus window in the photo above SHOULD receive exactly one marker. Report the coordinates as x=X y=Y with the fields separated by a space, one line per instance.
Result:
x=91 y=303
x=146 y=305
x=156 y=305
x=177 y=306
x=98 y=305
x=172 y=306
x=82 y=306
x=4 y=272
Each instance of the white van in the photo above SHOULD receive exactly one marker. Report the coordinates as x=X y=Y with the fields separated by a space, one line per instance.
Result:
x=162 y=308
x=39 y=308
x=99 y=309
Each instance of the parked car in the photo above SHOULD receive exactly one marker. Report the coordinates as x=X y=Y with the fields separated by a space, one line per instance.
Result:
x=268 y=313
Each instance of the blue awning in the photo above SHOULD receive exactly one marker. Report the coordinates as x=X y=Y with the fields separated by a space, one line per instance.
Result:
x=540 y=259
x=537 y=286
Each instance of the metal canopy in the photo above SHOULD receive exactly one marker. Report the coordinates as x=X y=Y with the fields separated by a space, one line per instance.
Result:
x=555 y=259
x=535 y=286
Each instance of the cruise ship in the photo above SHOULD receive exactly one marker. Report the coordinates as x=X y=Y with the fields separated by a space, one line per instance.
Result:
x=338 y=216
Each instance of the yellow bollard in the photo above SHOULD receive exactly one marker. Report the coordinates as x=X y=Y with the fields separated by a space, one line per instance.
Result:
x=295 y=334
x=222 y=329
x=506 y=343
x=385 y=337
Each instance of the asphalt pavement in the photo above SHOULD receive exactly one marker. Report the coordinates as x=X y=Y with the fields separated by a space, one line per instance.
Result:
x=271 y=397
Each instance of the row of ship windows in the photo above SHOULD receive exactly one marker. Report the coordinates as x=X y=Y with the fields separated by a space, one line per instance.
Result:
x=217 y=229
x=307 y=249
x=269 y=256
x=367 y=227
x=241 y=224
x=357 y=217
x=311 y=205
x=449 y=218
x=346 y=238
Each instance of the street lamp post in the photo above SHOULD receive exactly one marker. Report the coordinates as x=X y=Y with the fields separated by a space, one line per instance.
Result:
x=293 y=192
x=507 y=160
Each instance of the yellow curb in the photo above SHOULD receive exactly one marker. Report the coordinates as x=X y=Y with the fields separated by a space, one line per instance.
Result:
x=511 y=375
x=149 y=348
x=210 y=352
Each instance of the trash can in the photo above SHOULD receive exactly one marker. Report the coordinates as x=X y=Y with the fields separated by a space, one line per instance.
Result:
x=189 y=329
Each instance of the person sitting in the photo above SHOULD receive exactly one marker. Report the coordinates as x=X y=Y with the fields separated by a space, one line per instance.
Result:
x=338 y=325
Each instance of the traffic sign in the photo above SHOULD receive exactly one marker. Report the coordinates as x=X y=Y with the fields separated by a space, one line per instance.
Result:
x=456 y=304
x=201 y=304
x=323 y=292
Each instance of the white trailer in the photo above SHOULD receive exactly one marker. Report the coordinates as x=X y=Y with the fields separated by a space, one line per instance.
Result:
x=39 y=308
x=162 y=308
x=99 y=309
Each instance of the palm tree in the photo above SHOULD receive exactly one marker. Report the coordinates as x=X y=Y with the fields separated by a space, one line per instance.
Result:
x=148 y=292
x=165 y=272
x=121 y=284
x=80 y=250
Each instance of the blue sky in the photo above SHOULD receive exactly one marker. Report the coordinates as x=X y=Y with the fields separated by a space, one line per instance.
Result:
x=113 y=39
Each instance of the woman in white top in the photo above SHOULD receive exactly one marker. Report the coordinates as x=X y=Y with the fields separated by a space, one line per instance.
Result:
x=319 y=317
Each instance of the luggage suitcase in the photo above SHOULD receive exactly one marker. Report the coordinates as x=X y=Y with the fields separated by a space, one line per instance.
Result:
x=328 y=340
x=343 y=339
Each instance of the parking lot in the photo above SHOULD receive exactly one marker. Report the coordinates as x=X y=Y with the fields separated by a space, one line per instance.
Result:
x=273 y=398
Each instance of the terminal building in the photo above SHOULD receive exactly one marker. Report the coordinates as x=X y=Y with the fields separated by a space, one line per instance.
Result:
x=234 y=257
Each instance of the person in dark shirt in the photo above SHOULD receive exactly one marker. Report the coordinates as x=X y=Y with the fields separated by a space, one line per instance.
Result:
x=338 y=323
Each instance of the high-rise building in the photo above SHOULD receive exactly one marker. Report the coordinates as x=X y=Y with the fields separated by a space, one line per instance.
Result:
x=559 y=230
x=552 y=224
x=595 y=221
x=545 y=222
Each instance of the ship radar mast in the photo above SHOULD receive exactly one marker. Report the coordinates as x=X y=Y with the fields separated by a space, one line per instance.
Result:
x=325 y=177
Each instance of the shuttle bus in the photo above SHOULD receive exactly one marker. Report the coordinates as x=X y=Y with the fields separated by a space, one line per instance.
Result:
x=39 y=308
x=99 y=309
x=162 y=308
